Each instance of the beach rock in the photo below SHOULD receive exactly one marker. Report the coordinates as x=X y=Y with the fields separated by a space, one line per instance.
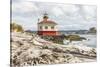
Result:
x=29 y=50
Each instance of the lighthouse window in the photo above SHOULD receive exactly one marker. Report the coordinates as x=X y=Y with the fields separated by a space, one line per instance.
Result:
x=52 y=27
x=40 y=27
x=46 y=27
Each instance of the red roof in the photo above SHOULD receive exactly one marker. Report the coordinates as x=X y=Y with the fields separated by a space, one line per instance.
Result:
x=47 y=22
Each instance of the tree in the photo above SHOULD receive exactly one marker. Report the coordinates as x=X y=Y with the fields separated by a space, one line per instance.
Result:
x=16 y=27
x=92 y=30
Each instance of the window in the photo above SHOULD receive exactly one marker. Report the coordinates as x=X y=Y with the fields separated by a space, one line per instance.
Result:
x=52 y=27
x=46 y=27
x=40 y=27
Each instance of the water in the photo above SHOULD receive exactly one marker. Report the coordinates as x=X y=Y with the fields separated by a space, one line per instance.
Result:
x=92 y=40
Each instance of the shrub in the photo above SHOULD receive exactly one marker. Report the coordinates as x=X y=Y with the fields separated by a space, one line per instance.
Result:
x=74 y=38
x=16 y=27
x=59 y=39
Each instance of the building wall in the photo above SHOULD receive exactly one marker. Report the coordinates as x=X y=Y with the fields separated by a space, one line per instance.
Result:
x=49 y=27
x=47 y=33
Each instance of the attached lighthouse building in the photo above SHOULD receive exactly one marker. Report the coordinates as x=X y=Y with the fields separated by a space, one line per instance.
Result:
x=47 y=27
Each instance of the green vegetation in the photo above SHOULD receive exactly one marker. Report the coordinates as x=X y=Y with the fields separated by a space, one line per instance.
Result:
x=16 y=27
x=92 y=30
x=59 y=39
x=54 y=39
x=74 y=38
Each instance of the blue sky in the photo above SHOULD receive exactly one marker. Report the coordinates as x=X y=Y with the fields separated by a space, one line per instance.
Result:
x=68 y=16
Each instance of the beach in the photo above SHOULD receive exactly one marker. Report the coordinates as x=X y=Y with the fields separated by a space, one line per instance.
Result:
x=30 y=49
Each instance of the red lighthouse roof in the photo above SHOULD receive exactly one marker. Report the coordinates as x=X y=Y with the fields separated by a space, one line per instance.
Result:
x=47 y=22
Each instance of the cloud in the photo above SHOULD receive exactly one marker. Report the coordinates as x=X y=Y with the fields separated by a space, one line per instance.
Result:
x=24 y=6
x=68 y=16
x=57 y=11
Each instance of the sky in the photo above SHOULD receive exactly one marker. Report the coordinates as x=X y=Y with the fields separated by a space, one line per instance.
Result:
x=67 y=16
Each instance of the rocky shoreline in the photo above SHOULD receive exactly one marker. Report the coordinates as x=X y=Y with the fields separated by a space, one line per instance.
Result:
x=29 y=50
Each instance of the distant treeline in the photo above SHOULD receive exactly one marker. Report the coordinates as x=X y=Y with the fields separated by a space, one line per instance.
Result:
x=18 y=28
x=90 y=31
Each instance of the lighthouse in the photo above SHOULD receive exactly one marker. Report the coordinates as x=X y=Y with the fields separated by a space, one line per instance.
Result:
x=47 y=27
